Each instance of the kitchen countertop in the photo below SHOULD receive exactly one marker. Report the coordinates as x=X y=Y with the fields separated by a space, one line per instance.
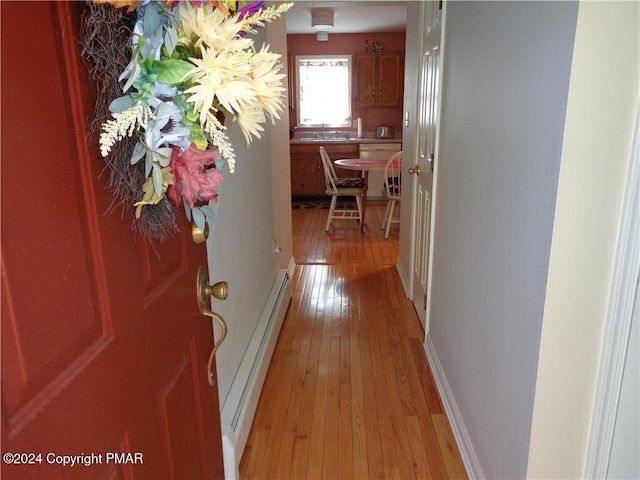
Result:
x=320 y=141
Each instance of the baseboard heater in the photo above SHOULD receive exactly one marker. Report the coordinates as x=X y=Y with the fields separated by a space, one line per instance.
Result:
x=240 y=406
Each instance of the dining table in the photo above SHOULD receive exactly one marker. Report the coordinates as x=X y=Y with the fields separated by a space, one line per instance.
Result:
x=364 y=165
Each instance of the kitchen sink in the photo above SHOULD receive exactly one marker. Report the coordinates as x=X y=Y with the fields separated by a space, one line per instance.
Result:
x=324 y=140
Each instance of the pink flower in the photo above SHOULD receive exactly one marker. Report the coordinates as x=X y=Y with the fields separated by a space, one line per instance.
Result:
x=195 y=175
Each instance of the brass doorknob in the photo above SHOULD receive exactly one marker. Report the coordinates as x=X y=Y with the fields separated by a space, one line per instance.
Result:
x=219 y=290
x=414 y=170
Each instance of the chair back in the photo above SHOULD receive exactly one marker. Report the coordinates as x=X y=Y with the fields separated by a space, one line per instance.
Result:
x=392 y=176
x=329 y=172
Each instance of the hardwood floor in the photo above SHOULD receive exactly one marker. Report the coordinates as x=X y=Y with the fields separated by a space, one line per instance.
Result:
x=349 y=393
x=343 y=243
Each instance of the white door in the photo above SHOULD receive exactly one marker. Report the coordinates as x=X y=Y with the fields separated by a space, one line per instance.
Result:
x=423 y=167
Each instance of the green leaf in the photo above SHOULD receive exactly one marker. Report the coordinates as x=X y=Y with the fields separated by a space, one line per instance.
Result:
x=163 y=156
x=151 y=21
x=138 y=153
x=148 y=162
x=192 y=116
x=148 y=65
x=196 y=130
x=120 y=104
x=209 y=213
x=157 y=179
x=172 y=71
x=198 y=218
x=135 y=73
x=201 y=143
x=170 y=41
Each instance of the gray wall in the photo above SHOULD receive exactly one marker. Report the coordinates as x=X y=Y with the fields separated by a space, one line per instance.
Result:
x=506 y=78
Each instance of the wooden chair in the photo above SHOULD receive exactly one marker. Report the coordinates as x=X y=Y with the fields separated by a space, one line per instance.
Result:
x=341 y=187
x=392 y=188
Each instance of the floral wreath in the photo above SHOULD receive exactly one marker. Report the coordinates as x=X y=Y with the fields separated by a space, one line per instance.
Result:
x=191 y=64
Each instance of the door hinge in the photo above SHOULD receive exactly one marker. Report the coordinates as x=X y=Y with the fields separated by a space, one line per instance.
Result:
x=425 y=301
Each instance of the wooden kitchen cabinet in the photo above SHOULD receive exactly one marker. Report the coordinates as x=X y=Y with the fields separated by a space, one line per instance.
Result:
x=307 y=174
x=377 y=80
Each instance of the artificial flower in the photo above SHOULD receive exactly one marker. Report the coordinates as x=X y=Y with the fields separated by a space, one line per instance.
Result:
x=250 y=9
x=123 y=124
x=219 y=4
x=196 y=177
x=130 y=4
x=210 y=27
x=151 y=197
x=220 y=77
x=192 y=64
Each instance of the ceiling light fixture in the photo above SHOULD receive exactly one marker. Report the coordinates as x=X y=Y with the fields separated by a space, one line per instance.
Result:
x=322 y=18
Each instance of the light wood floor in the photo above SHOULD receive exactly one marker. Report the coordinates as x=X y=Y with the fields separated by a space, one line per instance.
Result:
x=349 y=393
x=343 y=243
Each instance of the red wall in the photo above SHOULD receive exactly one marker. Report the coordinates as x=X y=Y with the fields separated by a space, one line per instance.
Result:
x=351 y=43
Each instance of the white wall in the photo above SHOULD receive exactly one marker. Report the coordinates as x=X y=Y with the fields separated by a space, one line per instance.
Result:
x=595 y=159
x=506 y=77
x=240 y=246
x=279 y=155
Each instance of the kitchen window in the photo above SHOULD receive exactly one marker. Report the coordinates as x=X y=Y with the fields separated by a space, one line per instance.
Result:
x=324 y=90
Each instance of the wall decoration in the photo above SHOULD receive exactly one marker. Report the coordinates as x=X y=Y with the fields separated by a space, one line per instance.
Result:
x=169 y=74
x=377 y=46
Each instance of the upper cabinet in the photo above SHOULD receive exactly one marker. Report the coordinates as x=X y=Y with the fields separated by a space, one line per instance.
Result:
x=377 y=80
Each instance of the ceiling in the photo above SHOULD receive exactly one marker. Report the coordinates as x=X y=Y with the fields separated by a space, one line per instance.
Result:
x=351 y=16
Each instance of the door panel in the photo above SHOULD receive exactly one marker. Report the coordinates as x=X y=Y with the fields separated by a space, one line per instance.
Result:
x=426 y=142
x=104 y=349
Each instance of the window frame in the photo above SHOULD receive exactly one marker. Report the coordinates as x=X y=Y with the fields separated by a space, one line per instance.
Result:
x=348 y=121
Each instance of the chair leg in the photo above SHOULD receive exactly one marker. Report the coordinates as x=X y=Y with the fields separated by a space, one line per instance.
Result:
x=392 y=204
x=385 y=219
x=332 y=208
x=359 y=204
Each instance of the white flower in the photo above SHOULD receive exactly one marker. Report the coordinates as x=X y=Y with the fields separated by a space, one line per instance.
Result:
x=268 y=87
x=207 y=26
x=219 y=139
x=123 y=124
x=220 y=76
x=250 y=120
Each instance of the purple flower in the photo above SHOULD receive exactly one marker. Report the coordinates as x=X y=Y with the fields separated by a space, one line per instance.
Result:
x=251 y=8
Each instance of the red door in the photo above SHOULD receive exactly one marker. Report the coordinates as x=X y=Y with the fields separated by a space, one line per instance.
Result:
x=104 y=351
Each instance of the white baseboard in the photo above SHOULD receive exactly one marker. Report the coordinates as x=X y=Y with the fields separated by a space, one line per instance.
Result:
x=460 y=433
x=240 y=406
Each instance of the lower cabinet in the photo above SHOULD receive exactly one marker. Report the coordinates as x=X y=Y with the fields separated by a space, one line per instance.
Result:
x=307 y=174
